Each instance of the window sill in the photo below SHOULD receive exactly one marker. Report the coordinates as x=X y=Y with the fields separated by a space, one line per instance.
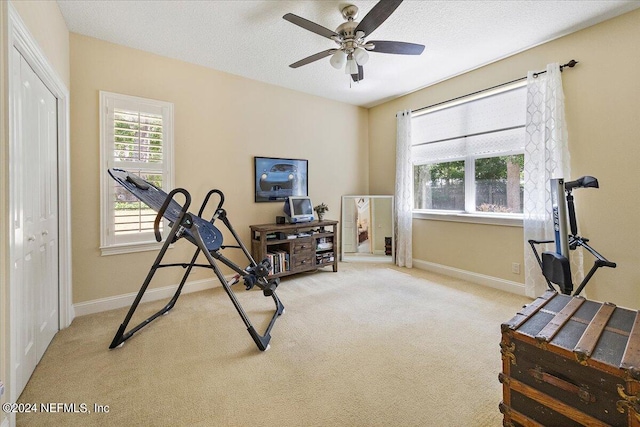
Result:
x=503 y=220
x=130 y=248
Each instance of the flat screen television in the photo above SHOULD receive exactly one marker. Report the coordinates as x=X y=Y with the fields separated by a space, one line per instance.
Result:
x=298 y=209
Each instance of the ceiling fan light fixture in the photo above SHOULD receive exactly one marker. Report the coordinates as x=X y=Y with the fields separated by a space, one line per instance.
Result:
x=338 y=59
x=361 y=56
x=352 y=66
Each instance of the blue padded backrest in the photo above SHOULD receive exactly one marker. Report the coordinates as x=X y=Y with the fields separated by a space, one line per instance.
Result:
x=154 y=197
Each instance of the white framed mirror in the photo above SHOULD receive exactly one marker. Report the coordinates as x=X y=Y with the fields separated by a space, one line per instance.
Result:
x=367 y=229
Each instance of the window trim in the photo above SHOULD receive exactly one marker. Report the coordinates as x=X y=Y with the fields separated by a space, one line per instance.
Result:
x=146 y=241
x=509 y=220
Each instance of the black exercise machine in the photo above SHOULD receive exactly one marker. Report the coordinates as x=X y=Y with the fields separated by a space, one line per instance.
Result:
x=555 y=265
x=208 y=240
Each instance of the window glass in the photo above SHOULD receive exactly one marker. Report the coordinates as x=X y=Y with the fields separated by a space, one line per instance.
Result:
x=499 y=184
x=439 y=186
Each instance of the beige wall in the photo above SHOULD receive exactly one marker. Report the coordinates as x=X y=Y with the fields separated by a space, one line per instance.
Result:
x=48 y=28
x=603 y=115
x=221 y=122
x=46 y=25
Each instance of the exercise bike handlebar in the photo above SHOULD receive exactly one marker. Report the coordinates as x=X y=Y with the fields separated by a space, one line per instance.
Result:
x=575 y=241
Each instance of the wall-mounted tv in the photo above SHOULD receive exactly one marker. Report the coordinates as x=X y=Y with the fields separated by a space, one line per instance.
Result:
x=279 y=178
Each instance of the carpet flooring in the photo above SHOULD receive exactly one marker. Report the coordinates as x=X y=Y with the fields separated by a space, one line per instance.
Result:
x=371 y=345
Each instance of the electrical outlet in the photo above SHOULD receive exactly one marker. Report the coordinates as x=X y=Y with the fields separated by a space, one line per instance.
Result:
x=515 y=268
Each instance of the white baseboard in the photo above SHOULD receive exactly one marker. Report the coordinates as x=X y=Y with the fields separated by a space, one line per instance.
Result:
x=480 y=279
x=119 y=301
x=378 y=259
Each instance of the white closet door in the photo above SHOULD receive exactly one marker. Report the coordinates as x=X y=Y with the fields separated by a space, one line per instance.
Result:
x=34 y=289
x=47 y=210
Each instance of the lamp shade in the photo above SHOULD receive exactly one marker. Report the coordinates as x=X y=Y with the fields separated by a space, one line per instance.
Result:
x=361 y=56
x=338 y=59
x=352 y=67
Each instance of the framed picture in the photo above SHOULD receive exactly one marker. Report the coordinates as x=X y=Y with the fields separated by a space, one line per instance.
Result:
x=276 y=179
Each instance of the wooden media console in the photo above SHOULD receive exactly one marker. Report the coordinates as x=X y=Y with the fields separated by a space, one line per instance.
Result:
x=295 y=248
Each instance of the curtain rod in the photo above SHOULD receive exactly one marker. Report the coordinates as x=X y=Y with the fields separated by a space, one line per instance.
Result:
x=569 y=64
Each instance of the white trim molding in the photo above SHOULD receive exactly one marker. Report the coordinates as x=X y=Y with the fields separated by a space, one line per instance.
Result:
x=21 y=39
x=130 y=248
x=514 y=220
x=469 y=276
x=125 y=300
x=112 y=243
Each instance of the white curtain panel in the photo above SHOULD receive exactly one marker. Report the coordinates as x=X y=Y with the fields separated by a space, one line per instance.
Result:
x=546 y=156
x=404 y=190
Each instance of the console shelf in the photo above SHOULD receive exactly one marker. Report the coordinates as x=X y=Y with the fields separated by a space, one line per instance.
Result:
x=294 y=248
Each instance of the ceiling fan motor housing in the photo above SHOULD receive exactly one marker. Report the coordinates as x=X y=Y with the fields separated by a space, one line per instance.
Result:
x=349 y=40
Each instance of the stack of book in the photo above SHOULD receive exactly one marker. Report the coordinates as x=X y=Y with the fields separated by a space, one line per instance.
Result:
x=279 y=260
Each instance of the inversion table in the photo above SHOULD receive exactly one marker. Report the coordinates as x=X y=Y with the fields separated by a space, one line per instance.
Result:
x=208 y=240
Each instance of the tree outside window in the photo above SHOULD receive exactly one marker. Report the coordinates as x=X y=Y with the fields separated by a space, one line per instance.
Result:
x=497 y=185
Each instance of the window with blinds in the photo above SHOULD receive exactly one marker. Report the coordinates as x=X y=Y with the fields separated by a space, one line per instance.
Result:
x=137 y=136
x=468 y=157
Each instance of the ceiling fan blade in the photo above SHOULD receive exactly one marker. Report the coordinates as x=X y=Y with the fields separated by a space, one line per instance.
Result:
x=376 y=16
x=399 y=48
x=310 y=26
x=360 y=75
x=313 y=58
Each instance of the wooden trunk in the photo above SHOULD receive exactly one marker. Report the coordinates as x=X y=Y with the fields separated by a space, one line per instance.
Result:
x=568 y=361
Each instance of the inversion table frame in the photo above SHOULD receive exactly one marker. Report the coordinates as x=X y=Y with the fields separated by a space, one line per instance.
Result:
x=208 y=240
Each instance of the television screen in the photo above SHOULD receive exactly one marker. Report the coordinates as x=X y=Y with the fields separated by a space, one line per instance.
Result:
x=302 y=207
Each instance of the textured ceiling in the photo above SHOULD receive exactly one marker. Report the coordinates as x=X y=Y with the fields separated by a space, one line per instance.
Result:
x=250 y=38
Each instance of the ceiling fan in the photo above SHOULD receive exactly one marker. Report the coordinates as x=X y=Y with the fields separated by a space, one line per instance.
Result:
x=352 y=50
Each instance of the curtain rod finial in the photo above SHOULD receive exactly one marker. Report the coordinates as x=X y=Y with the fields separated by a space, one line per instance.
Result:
x=571 y=63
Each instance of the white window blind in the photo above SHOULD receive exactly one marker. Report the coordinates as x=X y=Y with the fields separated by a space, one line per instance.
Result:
x=484 y=145
x=137 y=136
x=481 y=127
